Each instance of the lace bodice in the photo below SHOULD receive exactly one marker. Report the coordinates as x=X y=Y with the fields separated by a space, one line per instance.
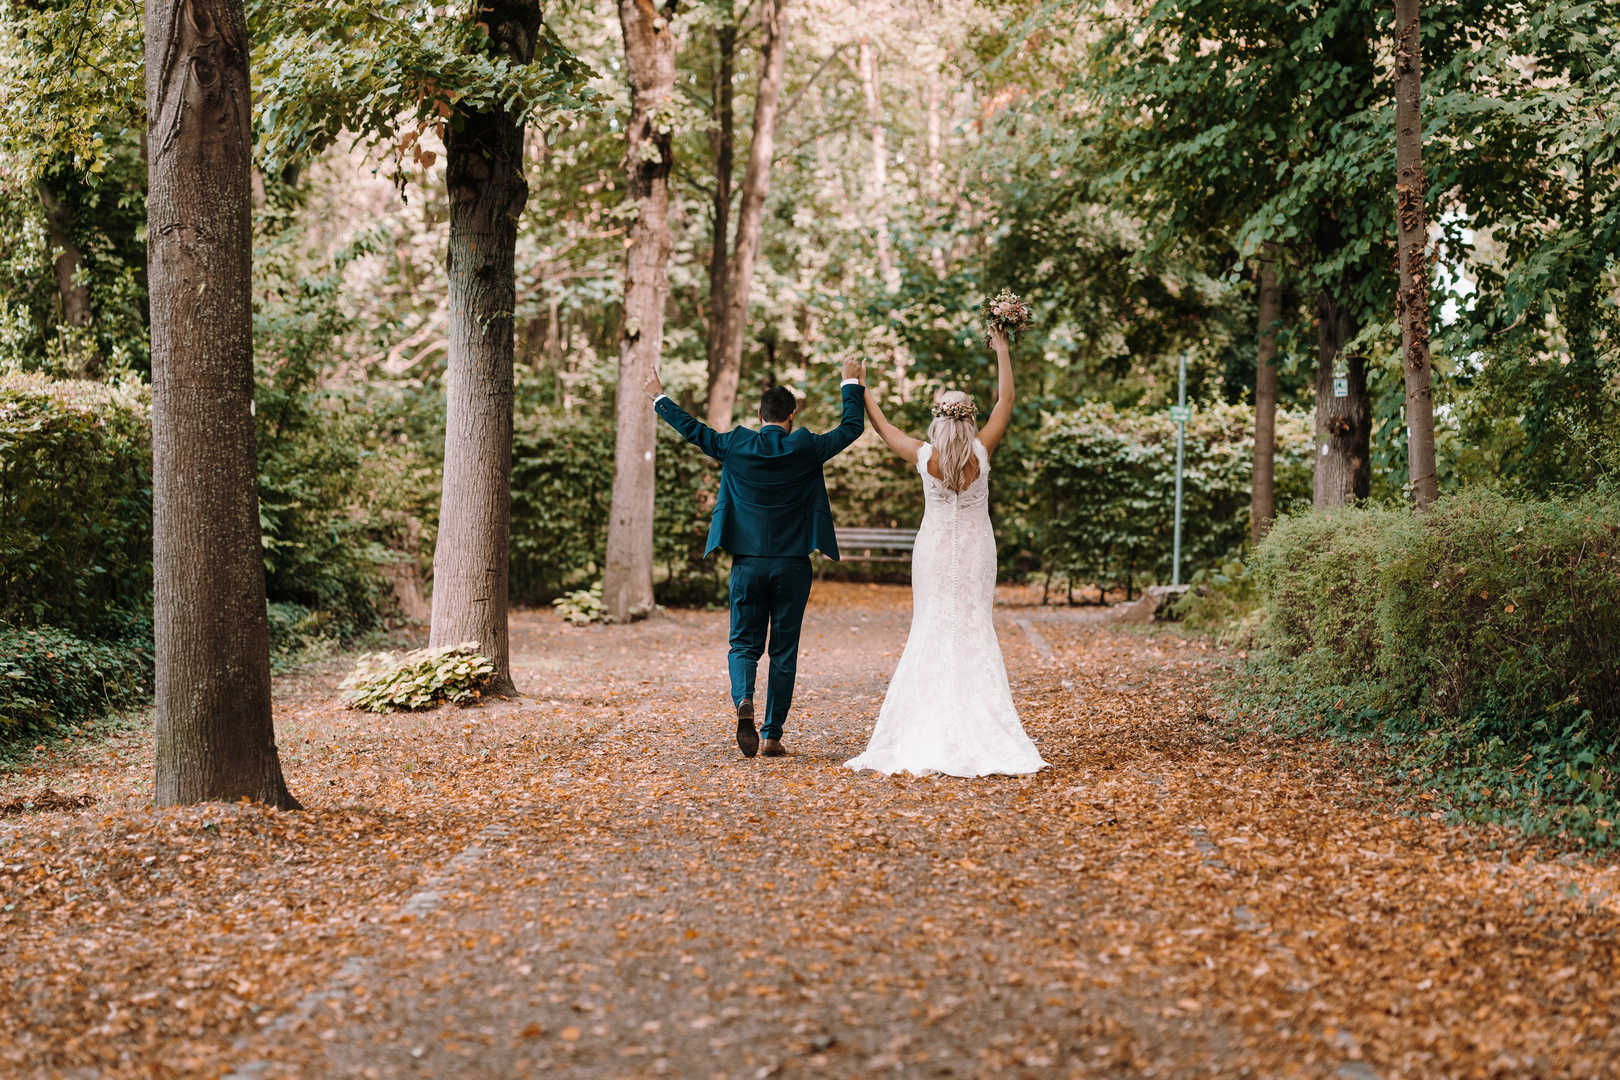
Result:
x=974 y=495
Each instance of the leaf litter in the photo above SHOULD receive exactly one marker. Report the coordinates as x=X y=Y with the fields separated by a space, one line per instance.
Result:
x=590 y=881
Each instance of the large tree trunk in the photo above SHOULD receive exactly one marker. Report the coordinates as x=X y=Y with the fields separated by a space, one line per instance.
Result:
x=750 y=209
x=215 y=737
x=649 y=52
x=1412 y=295
x=879 y=178
x=724 y=140
x=484 y=180
x=1262 y=497
x=75 y=296
x=1343 y=424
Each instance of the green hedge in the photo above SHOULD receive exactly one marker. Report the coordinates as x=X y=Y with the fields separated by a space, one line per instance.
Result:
x=562 y=484
x=1483 y=636
x=75 y=502
x=1102 y=489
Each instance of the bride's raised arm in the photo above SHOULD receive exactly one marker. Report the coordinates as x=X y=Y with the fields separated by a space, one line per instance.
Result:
x=1000 y=416
x=904 y=446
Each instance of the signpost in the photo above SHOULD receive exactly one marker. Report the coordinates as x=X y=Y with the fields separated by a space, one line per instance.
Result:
x=1180 y=414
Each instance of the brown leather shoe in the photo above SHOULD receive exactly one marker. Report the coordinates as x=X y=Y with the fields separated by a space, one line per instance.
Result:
x=747 y=734
x=772 y=748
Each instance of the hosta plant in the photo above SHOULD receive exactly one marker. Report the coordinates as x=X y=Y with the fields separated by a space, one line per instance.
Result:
x=582 y=607
x=389 y=682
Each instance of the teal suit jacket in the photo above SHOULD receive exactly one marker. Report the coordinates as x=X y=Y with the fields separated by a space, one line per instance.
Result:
x=773 y=499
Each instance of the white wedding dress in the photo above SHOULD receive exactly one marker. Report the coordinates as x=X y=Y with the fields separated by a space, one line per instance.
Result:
x=949 y=708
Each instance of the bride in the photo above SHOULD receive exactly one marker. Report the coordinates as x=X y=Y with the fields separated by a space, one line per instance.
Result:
x=949 y=708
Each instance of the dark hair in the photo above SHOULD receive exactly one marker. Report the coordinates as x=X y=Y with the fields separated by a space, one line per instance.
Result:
x=777 y=405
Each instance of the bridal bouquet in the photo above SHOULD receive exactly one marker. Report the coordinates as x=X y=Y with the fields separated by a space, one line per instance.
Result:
x=1007 y=313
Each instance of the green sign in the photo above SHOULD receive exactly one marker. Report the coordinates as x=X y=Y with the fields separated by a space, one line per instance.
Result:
x=1181 y=414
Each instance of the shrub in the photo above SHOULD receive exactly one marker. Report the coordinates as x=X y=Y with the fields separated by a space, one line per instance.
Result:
x=1223 y=600
x=562 y=483
x=1482 y=635
x=388 y=682
x=1102 y=489
x=75 y=503
x=50 y=678
x=583 y=606
x=562 y=479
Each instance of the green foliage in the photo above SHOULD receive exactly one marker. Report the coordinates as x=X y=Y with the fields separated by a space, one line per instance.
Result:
x=72 y=74
x=50 y=679
x=1223 y=600
x=1537 y=105
x=75 y=502
x=583 y=606
x=72 y=106
x=562 y=475
x=1481 y=638
x=1102 y=489
x=385 y=71
x=336 y=484
x=388 y=682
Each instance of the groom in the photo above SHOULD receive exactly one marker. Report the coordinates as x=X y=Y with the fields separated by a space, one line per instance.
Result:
x=771 y=513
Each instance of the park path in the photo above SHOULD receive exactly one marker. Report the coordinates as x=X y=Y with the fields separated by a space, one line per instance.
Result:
x=592 y=882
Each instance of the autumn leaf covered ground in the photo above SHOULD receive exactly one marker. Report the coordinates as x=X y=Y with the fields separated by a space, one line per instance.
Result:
x=592 y=882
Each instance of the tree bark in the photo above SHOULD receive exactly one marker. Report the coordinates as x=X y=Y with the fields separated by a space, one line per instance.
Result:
x=487 y=191
x=649 y=52
x=880 y=163
x=1262 y=497
x=724 y=150
x=1343 y=424
x=1412 y=295
x=215 y=737
x=756 y=186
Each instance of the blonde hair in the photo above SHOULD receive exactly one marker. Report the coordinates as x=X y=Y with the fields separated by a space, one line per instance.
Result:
x=952 y=438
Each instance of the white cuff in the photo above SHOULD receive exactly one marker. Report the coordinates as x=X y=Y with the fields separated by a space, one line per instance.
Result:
x=849 y=382
x=659 y=398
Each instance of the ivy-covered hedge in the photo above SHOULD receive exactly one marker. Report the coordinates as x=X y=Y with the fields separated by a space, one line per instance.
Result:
x=50 y=679
x=1101 y=494
x=75 y=502
x=1483 y=636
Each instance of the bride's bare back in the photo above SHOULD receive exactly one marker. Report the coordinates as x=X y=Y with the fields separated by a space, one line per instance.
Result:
x=906 y=447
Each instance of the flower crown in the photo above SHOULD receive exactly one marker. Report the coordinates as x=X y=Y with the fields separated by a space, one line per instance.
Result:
x=956 y=410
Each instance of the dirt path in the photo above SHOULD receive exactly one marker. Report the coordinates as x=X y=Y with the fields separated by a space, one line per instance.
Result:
x=594 y=883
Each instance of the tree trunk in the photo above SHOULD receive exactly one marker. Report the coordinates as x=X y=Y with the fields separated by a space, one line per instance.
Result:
x=724 y=149
x=1343 y=424
x=880 y=163
x=649 y=52
x=215 y=737
x=1412 y=295
x=487 y=191
x=1262 y=497
x=750 y=209
x=75 y=297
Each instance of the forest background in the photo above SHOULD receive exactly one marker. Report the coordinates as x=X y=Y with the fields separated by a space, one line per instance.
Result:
x=1138 y=171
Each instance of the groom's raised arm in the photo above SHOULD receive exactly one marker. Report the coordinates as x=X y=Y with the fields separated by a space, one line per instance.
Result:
x=693 y=430
x=832 y=443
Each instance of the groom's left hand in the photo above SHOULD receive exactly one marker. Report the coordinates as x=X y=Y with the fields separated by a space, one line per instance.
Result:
x=653 y=386
x=855 y=369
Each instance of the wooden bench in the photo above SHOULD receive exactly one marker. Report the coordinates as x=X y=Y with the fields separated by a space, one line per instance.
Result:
x=858 y=545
